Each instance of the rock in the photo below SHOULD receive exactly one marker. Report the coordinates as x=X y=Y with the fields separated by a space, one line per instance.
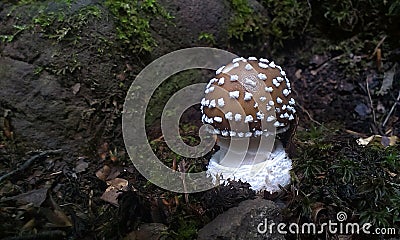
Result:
x=189 y=22
x=362 y=110
x=37 y=75
x=243 y=222
x=148 y=231
x=37 y=103
x=193 y=18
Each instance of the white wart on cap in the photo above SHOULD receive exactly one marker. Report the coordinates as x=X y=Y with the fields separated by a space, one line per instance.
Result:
x=249 y=97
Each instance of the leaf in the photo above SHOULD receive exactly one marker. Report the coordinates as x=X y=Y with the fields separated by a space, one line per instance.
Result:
x=76 y=88
x=387 y=81
x=36 y=197
x=114 y=190
x=57 y=218
x=81 y=166
x=383 y=140
x=103 y=173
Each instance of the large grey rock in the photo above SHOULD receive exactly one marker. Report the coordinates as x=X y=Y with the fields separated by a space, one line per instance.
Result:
x=37 y=76
x=36 y=104
x=192 y=19
x=244 y=222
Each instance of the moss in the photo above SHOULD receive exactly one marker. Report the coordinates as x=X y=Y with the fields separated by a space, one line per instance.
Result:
x=289 y=18
x=186 y=229
x=243 y=21
x=166 y=90
x=54 y=19
x=133 y=22
x=62 y=25
x=207 y=38
x=343 y=176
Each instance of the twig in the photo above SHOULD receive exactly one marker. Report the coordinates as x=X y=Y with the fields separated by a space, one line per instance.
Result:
x=309 y=115
x=324 y=64
x=370 y=100
x=355 y=133
x=391 y=110
x=377 y=47
x=28 y=163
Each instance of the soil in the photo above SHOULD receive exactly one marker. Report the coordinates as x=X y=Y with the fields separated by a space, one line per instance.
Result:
x=69 y=96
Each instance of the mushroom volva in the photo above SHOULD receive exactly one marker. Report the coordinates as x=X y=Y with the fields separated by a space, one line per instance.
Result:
x=248 y=105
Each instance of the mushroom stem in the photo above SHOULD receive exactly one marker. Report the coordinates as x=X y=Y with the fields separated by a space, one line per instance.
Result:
x=269 y=174
x=244 y=151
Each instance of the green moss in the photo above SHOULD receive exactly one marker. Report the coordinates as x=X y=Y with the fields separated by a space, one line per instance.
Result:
x=346 y=177
x=208 y=38
x=166 y=90
x=289 y=18
x=244 y=21
x=61 y=25
x=10 y=37
x=132 y=19
x=187 y=229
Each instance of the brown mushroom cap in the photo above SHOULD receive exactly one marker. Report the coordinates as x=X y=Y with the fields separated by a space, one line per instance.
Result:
x=249 y=97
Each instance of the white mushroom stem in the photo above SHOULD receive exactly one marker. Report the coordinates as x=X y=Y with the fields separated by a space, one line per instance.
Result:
x=261 y=168
x=244 y=151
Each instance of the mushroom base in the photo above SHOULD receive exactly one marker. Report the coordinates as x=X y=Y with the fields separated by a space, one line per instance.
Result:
x=267 y=175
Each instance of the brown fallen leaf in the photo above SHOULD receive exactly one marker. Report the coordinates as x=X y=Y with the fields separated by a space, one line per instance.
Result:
x=56 y=218
x=28 y=226
x=298 y=73
x=36 y=197
x=383 y=140
x=81 y=166
x=118 y=183
x=76 y=88
x=114 y=190
x=111 y=195
x=103 y=173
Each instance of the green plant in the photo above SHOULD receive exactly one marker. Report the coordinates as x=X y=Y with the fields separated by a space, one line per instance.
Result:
x=133 y=21
x=10 y=38
x=187 y=228
x=345 y=169
x=244 y=21
x=60 y=25
x=343 y=176
x=207 y=37
x=355 y=16
x=289 y=18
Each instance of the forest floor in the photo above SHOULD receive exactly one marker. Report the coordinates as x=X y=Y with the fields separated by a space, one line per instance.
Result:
x=87 y=187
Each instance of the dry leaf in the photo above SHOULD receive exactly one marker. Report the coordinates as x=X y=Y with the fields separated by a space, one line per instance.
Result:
x=76 y=88
x=387 y=81
x=147 y=231
x=29 y=225
x=81 y=166
x=383 y=140
x=118 y=183
x=298 y=73
x=57 y=218
x=114 y=190
x=36 y=197
x=103 y=173
x=111 y=195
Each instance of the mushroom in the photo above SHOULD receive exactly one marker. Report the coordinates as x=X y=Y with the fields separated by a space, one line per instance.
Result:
x=249 y=107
